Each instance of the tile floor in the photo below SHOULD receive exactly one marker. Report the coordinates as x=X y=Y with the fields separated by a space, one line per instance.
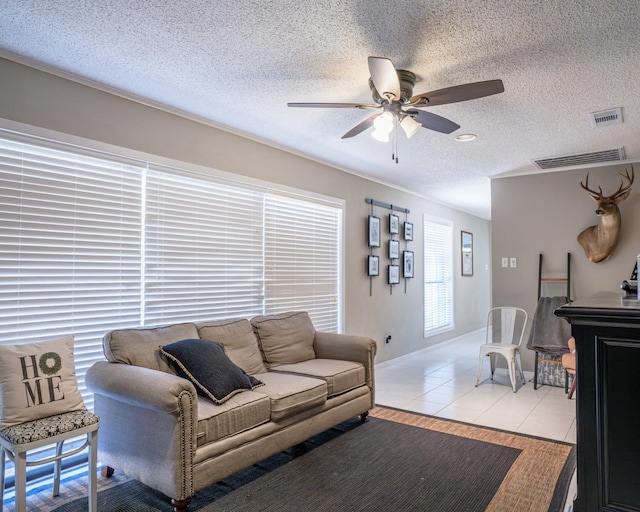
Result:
x=440 y=381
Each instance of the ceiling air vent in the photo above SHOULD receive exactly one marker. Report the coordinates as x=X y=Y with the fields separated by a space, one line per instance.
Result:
x=606 y=117
x=596 y=157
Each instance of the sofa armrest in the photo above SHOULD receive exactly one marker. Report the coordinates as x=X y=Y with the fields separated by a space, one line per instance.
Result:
x=141 y=387
x=329 y=345
x=348 y=347
x=148 y=425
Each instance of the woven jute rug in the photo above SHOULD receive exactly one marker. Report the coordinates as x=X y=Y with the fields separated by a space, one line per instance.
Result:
x=537 y=481
x=395 y=461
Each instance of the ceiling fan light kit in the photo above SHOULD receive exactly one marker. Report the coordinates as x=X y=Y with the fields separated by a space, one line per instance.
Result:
x=392 y=91
x=384 y=122
x=410 y=126
x=380 y=136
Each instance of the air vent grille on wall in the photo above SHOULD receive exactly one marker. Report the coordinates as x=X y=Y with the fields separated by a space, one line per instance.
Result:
x=606 y=117
x=596 y=157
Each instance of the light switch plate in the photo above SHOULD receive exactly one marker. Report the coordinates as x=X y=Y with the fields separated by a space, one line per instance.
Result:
x=513 y=263
x=505 y=262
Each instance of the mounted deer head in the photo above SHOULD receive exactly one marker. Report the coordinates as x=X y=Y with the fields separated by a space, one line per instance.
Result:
x=600 y=240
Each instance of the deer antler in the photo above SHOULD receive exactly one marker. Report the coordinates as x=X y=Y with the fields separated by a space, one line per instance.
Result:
x=593 y=193
x=620 y=192
x=623 y=190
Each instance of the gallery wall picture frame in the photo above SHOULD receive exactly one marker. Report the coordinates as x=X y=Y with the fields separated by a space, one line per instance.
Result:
x=394 y=224
x=373 y=265
x=394 y=249
x=408 y=231
x=394 y=274
x=466 y=249
x=407 y=264
x=373 y=225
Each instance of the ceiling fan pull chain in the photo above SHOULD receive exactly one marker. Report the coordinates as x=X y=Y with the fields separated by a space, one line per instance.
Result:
x=394 y=156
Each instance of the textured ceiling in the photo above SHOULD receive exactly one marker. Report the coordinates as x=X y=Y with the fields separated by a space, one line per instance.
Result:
x=238 y=63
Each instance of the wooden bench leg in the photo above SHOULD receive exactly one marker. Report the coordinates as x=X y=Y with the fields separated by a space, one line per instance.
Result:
x=573 y=388
x=106 y=471
x=180 y=505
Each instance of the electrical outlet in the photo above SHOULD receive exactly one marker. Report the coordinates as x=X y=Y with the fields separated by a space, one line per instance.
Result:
x=513 y=263
x=505 y=262
x=388 y=339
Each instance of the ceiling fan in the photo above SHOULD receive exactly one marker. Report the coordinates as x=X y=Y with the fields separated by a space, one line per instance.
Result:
x=392 y=92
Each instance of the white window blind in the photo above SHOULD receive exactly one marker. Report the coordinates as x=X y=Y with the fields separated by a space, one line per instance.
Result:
x=69 y=248
x=204 y=256
x=302 y=259
x=438 y=275
x=90 y=241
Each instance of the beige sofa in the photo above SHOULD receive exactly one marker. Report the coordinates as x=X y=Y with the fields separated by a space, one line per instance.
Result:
x=157 y=429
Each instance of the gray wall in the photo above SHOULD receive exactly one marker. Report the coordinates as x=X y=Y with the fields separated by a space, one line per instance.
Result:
x=41 y=103
x=544 y=213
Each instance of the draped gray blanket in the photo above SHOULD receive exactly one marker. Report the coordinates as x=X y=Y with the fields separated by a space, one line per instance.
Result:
x=549 y=333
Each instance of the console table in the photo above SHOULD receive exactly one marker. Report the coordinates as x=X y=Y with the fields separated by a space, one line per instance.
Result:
x=607 y=332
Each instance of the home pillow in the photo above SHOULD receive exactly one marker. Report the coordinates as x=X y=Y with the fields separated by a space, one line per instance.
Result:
x=286 y=338
x=206 y=365
x=38 y=380
x=239 y=341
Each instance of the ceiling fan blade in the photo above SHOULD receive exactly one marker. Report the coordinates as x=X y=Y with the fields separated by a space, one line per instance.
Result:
x=461 y=92
x=359 y=128
x=333 y=105
x=433 y=121
x=384 y=77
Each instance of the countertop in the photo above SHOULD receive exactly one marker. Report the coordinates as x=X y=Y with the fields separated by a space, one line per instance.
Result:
x=610 y=305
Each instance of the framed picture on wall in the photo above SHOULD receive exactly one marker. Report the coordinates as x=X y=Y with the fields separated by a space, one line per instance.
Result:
x=394 y=249
x=373 y=265
x=394 y=224
x=408 y=231
x=394 y=274
x=373 y=226
x=407 y=264
x=466 y=247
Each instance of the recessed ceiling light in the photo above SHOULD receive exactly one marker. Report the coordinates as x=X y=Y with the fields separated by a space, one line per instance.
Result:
x=466 y=137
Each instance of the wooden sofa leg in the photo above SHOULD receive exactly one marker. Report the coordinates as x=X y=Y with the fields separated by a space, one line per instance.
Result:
x=181 y=505
x=363 y=416
x=107 y=471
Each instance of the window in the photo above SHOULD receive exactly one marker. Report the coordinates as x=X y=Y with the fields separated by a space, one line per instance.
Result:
x=438 y=276
x=90 y=242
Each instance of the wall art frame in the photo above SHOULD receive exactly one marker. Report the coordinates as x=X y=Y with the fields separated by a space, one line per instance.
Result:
x=407 y=264
x=373 y=230
x=394 y=274
x=373 y=265
x=394 y=224
x=408 y=231
x=394 y=249
x=466 y=250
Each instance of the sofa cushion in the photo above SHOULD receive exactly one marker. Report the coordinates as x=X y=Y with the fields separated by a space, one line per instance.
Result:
x=285 y=338
x=291 y=394
x=37 y=380
x=241 y=412
x=239 y=342
x=141 y=346
x=206 y=365
x=341 y=376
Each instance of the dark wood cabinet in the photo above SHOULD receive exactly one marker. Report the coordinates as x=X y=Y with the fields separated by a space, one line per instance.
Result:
x=607 y=332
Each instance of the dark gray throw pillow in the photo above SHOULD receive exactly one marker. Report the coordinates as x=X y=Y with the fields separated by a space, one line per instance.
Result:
x=206 y=365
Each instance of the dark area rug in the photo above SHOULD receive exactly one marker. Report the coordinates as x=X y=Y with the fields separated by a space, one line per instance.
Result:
x=392 y=462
